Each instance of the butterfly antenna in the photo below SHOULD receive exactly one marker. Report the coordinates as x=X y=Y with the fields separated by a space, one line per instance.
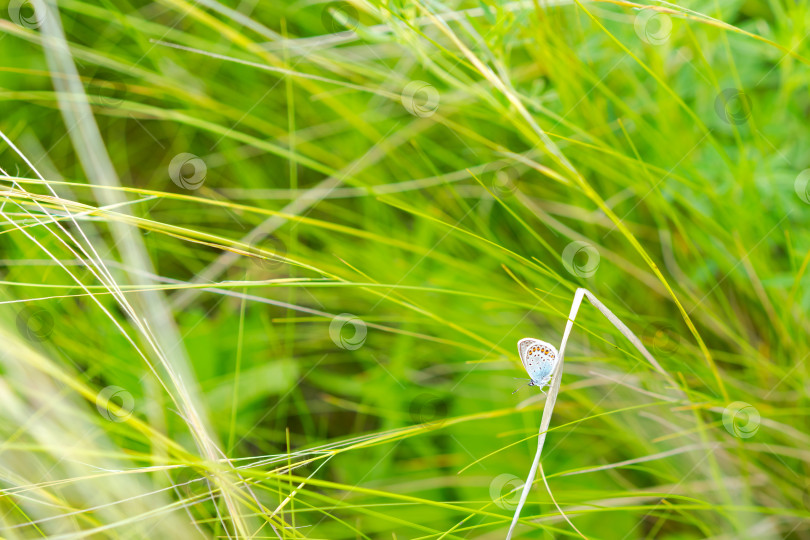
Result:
x=519 y=387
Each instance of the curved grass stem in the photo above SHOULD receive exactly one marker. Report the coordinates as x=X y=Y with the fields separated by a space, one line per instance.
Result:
x=555 y=389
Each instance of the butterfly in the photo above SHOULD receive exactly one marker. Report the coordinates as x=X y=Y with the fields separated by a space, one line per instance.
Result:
x=539 y=358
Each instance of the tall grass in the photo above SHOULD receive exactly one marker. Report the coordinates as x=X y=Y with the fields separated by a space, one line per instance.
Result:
x=264 y=266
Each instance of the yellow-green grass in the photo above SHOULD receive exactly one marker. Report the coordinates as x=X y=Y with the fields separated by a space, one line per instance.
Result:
x=318 y=340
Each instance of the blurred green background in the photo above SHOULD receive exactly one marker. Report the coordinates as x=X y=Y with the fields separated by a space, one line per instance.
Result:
x=264 y=267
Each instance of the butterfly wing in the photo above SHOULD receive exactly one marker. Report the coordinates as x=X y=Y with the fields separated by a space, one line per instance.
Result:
x=523 y=346
x=538 y=357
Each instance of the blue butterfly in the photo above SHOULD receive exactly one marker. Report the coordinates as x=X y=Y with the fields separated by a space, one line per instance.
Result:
x=539 y=358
